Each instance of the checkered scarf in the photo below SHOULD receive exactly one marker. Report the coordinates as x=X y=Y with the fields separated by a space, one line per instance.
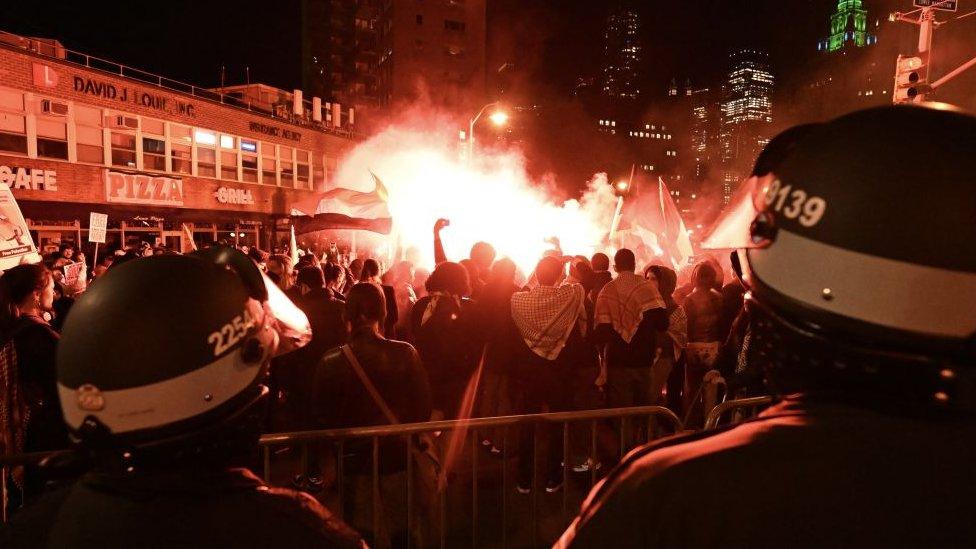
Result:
x=546 y=315
x=623 y=302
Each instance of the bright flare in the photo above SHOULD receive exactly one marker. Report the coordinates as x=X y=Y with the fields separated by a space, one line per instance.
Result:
x=492 y=199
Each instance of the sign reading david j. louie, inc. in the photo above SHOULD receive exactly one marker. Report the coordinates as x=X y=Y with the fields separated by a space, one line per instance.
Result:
x=137 y=188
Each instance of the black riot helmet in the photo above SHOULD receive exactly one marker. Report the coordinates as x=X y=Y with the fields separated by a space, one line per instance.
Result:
x=167 y=347
x=859 y=253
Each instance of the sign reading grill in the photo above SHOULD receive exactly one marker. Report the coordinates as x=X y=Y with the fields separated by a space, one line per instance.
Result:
x=944 y=5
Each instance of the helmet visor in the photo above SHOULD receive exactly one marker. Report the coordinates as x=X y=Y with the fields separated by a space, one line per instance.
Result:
x=290 y=322
x=747 y=222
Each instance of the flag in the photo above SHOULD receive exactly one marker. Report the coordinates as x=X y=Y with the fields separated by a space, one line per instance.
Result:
x=293 y=247
x=188 y=244
x=652 y=223
x=342 y=208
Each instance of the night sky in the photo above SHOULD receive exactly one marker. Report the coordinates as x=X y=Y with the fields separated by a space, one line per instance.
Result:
x=558 y=40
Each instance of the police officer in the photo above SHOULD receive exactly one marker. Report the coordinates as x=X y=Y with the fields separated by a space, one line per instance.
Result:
x=859 y=257
x=160 y=374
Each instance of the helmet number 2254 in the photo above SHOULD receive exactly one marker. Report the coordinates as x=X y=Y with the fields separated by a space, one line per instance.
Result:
x=230 y=333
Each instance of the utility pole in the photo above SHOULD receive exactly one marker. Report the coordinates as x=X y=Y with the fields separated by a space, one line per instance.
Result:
x=913 y=78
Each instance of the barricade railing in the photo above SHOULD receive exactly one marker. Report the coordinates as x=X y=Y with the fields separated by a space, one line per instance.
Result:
x=468 y=435
x=743 y=407
x=469 y=481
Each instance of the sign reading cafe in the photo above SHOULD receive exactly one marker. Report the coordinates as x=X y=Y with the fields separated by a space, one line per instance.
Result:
x=17 y=177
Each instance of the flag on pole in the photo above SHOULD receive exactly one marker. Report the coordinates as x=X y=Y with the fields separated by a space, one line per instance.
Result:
x=652 y=226
x=293 y=247
x=188 y=244
x=342 y=208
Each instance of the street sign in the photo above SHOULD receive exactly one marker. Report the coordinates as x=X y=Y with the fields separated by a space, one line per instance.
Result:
x=97 y=224
x=944 y=5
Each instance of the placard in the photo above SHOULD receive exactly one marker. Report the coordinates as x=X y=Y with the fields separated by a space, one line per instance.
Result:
x=16 y=244
x=97 y=223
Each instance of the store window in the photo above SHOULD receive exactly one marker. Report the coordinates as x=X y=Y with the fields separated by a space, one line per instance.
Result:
x=228 y=157
x=206 y=143
x=286 y=154
x=249 y=160
x=52 y=137
x=302 y=170
x=13 y=123
x=269 y=164
x=181 y=143
x=153 y=145
x=123 y=149
x=88 y=135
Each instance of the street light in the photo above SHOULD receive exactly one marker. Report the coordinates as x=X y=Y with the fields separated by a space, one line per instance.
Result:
x=499 y=118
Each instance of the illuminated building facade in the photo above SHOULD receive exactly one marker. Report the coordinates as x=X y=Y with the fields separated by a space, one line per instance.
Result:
x=848 y=26
x=622 y=53
x=747 y=114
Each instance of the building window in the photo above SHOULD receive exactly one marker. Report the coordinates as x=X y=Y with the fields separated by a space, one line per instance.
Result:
x=269 y=164
x=318 y=174
x=302 y=170
x=420 y=19
x=228 y=157
x=153 y=145
x=13 y=123
x=287 y=166
x=206 y=144
x=249 y=160
x=123 y=149
x=181 y=143
x=88 y=135
x=52 y=137
x=452 y=25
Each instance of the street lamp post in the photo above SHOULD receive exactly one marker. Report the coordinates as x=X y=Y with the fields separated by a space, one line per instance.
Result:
x=498 y=117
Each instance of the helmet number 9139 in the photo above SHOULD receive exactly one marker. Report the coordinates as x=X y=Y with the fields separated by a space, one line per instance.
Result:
x=232 y=332
x=795 y=203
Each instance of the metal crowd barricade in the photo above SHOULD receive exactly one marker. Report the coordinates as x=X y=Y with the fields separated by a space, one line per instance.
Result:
x=744 y=407
x=470 y=430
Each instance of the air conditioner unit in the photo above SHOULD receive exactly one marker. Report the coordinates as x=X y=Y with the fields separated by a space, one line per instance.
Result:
x=53 y=107
x=120 y=121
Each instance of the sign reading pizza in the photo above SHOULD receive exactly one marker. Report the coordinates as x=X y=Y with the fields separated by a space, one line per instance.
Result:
x=137 y=188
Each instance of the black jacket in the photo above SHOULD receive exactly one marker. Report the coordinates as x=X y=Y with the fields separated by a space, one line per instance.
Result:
x=223 y=508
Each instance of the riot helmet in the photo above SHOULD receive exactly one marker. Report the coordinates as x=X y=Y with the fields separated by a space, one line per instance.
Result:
x=858 y=252
x=164 y=350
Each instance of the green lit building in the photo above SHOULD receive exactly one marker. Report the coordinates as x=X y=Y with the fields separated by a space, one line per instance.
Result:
x=848 y=27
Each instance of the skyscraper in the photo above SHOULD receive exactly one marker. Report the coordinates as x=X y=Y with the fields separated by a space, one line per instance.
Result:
x=747 y=114
x=622 y=55
x=848 y=27
x=339 y=50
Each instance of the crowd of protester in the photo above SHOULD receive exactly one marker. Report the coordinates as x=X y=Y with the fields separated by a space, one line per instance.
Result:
x=397 y=344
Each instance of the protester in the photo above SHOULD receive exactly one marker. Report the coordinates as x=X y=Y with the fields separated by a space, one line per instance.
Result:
x=335 y=280
x=550 y=322
x=342 y=398
x=371 y=273
x=401 y=279
x=481 y=257
x=600 y=264
x=703 y=308
x=442 y=326
x=671 y=342
x=629 y=310
x=30 y=416
x=281 y=272
x=494 y=322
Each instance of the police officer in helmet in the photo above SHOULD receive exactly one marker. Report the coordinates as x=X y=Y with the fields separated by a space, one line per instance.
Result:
x=858 y=253
x=160 y=374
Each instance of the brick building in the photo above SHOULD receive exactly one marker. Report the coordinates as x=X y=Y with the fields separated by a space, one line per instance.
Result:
x=79 y=134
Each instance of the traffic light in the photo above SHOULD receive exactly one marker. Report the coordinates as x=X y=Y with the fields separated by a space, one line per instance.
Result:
x=910 y=79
